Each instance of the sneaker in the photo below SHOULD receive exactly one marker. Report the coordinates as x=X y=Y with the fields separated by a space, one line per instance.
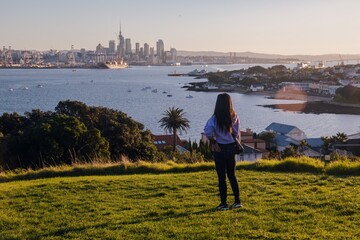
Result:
x=236 y=205
x=222 y=207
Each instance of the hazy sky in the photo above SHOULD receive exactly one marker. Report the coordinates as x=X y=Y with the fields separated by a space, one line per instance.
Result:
x=264 y=26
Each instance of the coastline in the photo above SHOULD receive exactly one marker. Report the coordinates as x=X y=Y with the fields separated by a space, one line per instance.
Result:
x=317 y=107
x=316 y=104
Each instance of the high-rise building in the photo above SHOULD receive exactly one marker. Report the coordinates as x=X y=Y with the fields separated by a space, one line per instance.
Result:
x=146 y=50
x=160 y=51
x=152 y=55
x=128 y=46
x=112 y=46
x=137 y=48
x=173 y=53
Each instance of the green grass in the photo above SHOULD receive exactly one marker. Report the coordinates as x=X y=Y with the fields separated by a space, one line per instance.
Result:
x=295 y=165
x=181 y=206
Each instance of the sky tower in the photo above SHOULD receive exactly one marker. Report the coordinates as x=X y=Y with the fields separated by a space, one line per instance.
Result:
x=121 y=46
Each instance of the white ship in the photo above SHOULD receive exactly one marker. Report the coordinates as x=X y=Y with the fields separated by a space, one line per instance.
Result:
x=118 y=64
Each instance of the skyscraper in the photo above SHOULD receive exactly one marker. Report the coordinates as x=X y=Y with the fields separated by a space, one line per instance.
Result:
x=137 y=48
x=128 y=46
x=146 y=50
x=112 y=46
x=160 y=51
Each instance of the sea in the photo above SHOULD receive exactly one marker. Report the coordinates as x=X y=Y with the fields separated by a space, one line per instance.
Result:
x=144 y=93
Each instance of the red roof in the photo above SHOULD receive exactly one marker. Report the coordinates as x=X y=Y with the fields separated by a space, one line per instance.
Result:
x=161 y=141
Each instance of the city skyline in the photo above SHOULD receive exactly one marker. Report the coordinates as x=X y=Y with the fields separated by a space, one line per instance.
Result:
x=274 y=27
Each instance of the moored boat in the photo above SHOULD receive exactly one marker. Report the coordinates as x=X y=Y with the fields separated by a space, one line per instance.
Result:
x=118 y=64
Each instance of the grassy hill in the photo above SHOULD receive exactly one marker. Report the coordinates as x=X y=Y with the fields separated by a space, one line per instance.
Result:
x=181 y=206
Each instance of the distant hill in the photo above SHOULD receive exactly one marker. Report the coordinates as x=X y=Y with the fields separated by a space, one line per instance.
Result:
x=324 y=57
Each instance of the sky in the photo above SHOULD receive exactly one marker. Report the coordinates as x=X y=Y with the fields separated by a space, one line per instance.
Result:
x=285 y=27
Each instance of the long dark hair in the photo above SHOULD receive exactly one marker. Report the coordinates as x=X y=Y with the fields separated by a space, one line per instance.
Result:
x=224 y=112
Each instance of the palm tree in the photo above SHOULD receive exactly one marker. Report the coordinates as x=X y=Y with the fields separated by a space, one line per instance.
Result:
x=174 y=119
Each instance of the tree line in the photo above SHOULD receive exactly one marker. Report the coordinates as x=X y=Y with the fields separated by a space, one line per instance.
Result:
x=74 y=132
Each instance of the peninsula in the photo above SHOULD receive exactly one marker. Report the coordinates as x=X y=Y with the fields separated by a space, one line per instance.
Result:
x=322 y=89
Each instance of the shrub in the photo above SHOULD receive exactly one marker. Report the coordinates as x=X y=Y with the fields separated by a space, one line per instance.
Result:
x=345 y=167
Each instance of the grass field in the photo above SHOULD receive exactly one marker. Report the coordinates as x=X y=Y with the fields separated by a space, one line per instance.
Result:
x=181 y=206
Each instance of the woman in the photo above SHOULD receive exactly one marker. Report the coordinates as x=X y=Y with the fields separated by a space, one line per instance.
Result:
x=221 y=129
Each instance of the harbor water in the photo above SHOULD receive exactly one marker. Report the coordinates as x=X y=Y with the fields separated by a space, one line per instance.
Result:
x=144 y=93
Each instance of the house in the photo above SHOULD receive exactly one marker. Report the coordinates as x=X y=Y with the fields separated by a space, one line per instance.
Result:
x=314 y=148
x=255 y=143
x=257 y=87
x=354 y=136
x=283 y=142
x=248 y=134
x=254 y=149
x=162 y=141
x=250 y=154
x=351 y=146
x=286 y=130
x=286 y=135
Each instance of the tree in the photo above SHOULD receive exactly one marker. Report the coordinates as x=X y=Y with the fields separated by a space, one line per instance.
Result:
x=268 y=137
x=174 y=119
x=303 y=144
x=125 y=136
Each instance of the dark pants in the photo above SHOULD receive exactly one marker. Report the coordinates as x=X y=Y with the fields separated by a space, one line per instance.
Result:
x=225 y=165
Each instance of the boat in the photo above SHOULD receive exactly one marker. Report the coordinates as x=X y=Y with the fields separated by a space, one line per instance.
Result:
x=39 y=86
x=169 y=95
x=189 y=96
x=175 y=74
x=118 y=64
x=197 y=73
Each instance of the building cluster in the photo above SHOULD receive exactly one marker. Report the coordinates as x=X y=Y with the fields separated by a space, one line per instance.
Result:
x=140 y=55
x=287 y=136
x=314 y=80
x=124 y=50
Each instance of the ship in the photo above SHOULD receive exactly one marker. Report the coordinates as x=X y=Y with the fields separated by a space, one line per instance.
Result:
x=116 y=64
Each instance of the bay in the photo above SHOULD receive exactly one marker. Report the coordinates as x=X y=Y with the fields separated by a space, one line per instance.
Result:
x=142 y=93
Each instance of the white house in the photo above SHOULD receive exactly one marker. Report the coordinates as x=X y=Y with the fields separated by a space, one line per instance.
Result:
x=256 y=87
x=286 y=130
x=250 y=154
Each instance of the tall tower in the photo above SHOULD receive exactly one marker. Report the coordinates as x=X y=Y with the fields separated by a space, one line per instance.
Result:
x=127 y=46
x=146 y=50
x=112 y=46
x=160 y=51
x=121 y=46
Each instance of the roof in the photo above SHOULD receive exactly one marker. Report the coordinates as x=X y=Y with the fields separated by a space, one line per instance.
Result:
x=249 y=150
x=354 y=136
x=280 y=128
x=284 y=141
x=256 y=140
x=161 y=141
x=315 y=142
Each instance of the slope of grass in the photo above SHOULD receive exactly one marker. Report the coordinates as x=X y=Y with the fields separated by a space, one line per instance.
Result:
x=181 y=206
x=302 y=164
